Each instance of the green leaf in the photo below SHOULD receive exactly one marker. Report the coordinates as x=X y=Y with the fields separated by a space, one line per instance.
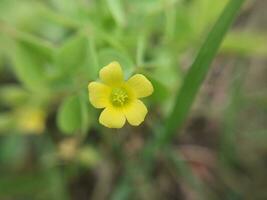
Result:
x=106 y=56
x=117 y=11
x=77 y=63
x=69 y=8
x=161 y=92
x=91 y=66
x=167 y=71
x=198 y=70
x=69 y=117
x=31 y=61
x=72 y=54
x=84 y=112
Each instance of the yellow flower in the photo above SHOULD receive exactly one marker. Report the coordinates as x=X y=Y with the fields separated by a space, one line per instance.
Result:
x=119 y=97
x=31 y=120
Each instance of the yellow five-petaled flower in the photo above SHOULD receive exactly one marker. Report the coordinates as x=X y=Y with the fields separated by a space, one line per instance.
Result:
x=120 y=98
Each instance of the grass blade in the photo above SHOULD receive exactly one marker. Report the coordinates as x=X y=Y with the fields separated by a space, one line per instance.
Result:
x=199 y=69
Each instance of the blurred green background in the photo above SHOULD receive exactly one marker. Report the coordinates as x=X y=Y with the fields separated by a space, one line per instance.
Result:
x=51 y=144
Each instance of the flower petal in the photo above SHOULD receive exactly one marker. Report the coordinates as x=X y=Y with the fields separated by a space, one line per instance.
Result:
x=112 y=117
x=141 y=86
x=135 y=112
x=99 y=94
x=111 y=74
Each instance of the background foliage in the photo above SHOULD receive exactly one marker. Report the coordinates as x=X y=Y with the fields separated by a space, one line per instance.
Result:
x=51 y=144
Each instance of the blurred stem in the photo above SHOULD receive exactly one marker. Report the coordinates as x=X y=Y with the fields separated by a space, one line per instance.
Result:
x=168 y=4
x=184 y=169
x=170 y=14
x=228 y=138
x=113 y=42
x=94 y=55
x=140 y=50
x=12 y=32
x=123 y=189
x=61 y=19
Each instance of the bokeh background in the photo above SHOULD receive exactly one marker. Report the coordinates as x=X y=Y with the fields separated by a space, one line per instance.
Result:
x=51 y=144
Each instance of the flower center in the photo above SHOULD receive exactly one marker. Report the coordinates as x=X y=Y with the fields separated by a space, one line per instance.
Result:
x=119 y=97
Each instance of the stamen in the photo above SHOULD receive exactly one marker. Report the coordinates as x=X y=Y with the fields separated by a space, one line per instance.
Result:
x=119 y=97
